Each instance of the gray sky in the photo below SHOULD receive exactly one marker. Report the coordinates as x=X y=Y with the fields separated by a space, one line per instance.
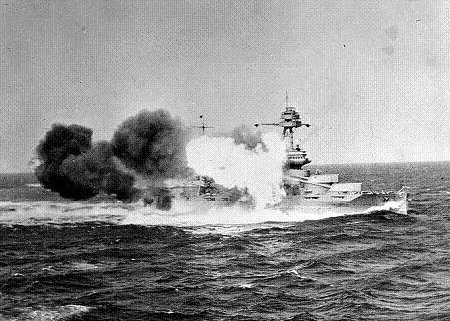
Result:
x=372 y=77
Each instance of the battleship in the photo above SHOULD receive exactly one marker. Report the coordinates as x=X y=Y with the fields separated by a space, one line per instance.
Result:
x=304 y=192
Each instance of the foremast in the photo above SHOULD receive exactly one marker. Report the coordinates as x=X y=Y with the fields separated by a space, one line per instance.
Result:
x=290 y=120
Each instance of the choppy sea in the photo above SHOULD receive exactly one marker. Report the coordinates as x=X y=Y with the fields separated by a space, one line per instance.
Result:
x=61 y=260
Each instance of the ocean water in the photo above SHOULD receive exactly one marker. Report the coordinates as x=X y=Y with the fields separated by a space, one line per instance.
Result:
x=61 y=260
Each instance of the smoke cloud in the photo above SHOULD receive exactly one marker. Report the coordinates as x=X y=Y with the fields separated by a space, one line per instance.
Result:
x=59 y=143
x=152 y=143
x=96 y=171
x=75 y=169
x=235 y=165
x=249 y=137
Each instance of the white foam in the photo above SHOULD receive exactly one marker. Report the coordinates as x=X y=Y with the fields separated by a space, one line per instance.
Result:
x=399 y=207
x=228 y=220
x=183 y=213
x=34 y=185
x=245 y=286
x=54 y=212
x=50 y=313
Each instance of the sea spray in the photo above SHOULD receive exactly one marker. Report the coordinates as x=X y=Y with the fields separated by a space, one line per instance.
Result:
x=259 y=170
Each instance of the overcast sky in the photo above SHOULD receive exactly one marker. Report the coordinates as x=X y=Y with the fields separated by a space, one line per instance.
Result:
x=371 y=77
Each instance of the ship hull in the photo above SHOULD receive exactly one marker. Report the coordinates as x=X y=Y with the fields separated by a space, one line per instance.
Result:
x=353 y=204
x=324 y=206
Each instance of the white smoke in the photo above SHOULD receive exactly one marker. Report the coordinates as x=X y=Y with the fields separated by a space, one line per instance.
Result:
x=233 y=165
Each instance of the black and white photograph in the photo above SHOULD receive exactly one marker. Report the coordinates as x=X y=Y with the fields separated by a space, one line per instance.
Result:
x=229 y=160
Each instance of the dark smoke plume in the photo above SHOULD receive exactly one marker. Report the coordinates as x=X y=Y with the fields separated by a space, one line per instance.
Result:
x=59 y=143
x=75 y=169
x=248 y=136
x=152 y=143
x=62 y=141
x=96 y=171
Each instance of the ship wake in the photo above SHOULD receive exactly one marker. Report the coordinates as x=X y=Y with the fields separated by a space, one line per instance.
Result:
x=182 y=213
